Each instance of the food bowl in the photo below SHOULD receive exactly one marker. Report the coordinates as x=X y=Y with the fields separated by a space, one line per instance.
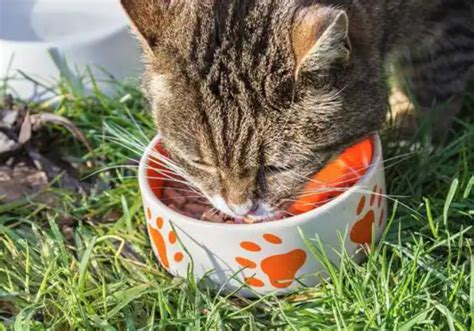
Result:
x=272 y=257
x=48 y=38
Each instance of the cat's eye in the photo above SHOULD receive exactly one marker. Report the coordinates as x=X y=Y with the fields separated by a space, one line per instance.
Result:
x=202 y=165
x=198 y=162
x=275 y=169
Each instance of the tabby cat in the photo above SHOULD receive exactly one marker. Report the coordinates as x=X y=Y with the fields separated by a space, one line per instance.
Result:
x=253 y=96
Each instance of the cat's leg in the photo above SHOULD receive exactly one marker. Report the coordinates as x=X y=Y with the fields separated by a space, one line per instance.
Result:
x=402 y=113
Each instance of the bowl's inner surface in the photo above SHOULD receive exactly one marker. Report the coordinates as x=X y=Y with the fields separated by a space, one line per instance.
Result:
x=336 y=177
x=333 y=180
x=54 y=21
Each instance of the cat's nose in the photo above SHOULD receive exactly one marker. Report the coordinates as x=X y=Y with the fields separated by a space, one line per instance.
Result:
x=242 y=209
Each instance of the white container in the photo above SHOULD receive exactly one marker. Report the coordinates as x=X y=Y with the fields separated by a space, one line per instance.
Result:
x=276 y=257
x=44 y=38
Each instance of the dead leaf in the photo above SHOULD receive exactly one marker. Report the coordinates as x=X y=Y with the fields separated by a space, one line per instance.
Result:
x=25 y=130
x=8 y=118
x=21 y=113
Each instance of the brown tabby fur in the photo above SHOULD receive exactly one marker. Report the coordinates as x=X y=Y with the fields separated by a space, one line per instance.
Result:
x=252 y=96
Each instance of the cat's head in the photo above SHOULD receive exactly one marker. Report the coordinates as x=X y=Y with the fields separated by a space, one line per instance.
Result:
x=253 y=97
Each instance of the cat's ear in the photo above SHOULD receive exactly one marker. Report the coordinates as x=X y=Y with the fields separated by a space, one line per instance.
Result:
x=320 y=38
x=146 y=17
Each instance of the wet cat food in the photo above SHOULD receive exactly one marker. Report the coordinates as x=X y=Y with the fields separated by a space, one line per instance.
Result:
x=187 y=201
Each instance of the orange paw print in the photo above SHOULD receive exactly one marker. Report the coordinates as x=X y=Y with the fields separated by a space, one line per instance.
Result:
x=160 y=242
x=361 y=232
x=280 y=269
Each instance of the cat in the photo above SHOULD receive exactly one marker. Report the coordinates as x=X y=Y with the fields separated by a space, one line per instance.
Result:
x=251 y=97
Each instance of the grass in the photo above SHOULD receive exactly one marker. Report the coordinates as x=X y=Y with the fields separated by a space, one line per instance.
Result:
x=64 y=264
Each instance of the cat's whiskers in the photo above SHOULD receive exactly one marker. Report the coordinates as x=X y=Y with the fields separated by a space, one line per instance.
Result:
x=173 y=179
x=328 y=189
x=136 y=149
x=167 y=200
x=133 y=144
x=125 y=138
x=214 y=211
x=392 y=198
x=166 y=160
x=128 y=143
x=179 y=190
x=357 y=169
x=162 y=169
x=121 y=132
x=104 y=169
x=156 y=156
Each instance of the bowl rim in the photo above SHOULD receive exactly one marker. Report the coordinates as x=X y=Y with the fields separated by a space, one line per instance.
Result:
x=105 y=33
x=292 y=221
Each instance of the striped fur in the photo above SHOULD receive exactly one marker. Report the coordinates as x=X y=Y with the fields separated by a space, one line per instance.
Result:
x=436 y=66
x=257 y=96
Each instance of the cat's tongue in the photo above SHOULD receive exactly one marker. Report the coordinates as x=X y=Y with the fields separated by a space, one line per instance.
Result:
x=251 y=219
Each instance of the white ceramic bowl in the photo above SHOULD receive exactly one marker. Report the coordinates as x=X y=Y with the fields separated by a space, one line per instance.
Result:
x=271 y=257
x=46 y=38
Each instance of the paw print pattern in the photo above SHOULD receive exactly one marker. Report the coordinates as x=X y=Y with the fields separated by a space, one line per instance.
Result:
x=161 y=241
x=369 y=212
x=280 y=269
